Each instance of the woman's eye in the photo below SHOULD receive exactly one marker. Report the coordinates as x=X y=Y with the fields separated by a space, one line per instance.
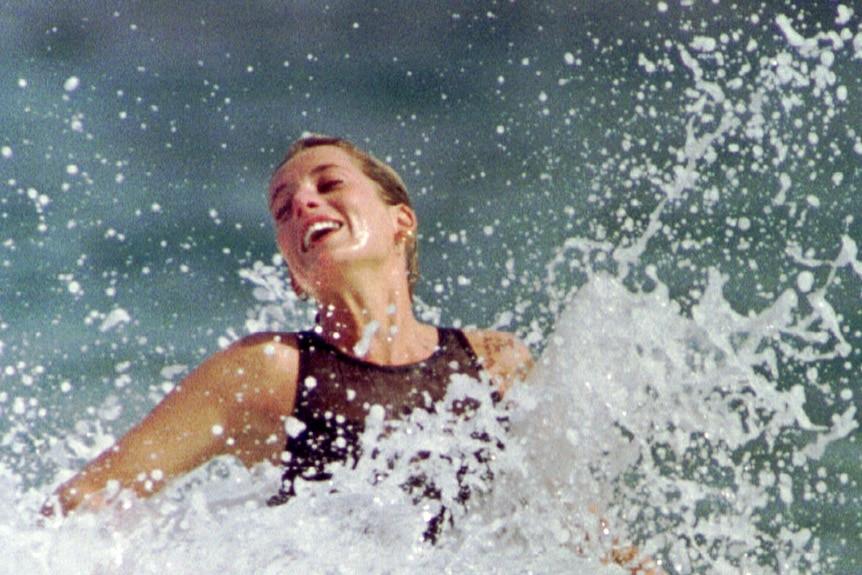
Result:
x=284 y=211
x=328 y=185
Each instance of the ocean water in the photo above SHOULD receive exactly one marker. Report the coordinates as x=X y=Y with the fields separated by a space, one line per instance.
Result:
x=660 y=198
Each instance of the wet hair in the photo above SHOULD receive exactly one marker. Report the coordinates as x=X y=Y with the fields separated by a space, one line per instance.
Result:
x=391 y=187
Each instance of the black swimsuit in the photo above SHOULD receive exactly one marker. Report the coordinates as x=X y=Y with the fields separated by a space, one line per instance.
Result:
x=336 y=391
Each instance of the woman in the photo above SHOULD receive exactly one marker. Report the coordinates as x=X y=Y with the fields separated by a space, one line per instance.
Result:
x=346 y=229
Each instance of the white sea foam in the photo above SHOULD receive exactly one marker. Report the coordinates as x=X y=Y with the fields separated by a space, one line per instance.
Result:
x=626 y=386
x=364 y=343
x=115 y=318
x=711 y=420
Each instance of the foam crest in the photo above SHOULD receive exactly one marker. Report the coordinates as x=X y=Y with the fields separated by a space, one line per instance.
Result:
x=674 y=427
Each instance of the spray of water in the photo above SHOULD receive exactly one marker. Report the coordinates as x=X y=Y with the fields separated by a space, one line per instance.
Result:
x=695 y=320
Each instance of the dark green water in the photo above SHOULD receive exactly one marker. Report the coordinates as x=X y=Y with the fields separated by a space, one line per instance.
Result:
x=656 y=141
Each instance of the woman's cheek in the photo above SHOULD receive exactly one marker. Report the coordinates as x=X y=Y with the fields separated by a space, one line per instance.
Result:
x=285 y=243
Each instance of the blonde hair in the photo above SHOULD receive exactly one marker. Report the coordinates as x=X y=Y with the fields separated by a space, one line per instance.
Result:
x=391 y=187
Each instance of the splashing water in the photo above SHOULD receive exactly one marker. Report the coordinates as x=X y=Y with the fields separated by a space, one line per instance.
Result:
x=689 y=278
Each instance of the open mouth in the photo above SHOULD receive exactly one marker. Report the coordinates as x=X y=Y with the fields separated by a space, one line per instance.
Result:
x=317 y=231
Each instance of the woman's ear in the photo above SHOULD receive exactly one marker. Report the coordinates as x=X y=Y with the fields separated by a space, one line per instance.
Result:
x=405 y=220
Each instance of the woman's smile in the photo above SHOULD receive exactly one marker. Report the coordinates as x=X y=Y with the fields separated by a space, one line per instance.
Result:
x=318 y=229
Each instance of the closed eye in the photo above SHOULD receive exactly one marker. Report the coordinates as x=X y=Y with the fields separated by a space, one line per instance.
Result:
x=328 y=185
x=284 y=211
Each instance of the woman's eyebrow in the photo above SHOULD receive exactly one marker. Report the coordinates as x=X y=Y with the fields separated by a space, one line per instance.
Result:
x=279 y=189
x=323 y=168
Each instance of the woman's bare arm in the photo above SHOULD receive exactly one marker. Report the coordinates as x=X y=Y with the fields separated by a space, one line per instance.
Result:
x=233 y=403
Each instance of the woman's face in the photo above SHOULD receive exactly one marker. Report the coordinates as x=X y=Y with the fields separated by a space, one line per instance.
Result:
x=330 y=218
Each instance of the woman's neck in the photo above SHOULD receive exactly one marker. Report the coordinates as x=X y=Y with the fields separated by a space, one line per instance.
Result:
x=376 y=325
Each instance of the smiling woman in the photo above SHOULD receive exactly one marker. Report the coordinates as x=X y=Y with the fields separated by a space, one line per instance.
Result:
x=347 y=230
x=390 y=188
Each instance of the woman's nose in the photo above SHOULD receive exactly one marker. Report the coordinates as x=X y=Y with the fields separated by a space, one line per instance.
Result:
x=305 y=198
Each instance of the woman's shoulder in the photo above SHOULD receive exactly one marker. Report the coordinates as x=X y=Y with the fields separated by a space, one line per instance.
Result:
x=265 y=352
x=277 y=339
x=503 y=355
x=261 y=365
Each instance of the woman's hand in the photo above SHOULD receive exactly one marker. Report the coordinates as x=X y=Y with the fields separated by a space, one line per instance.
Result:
x=630 y=558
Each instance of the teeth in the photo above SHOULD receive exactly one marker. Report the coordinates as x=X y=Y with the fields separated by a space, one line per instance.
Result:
x=315 y=228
